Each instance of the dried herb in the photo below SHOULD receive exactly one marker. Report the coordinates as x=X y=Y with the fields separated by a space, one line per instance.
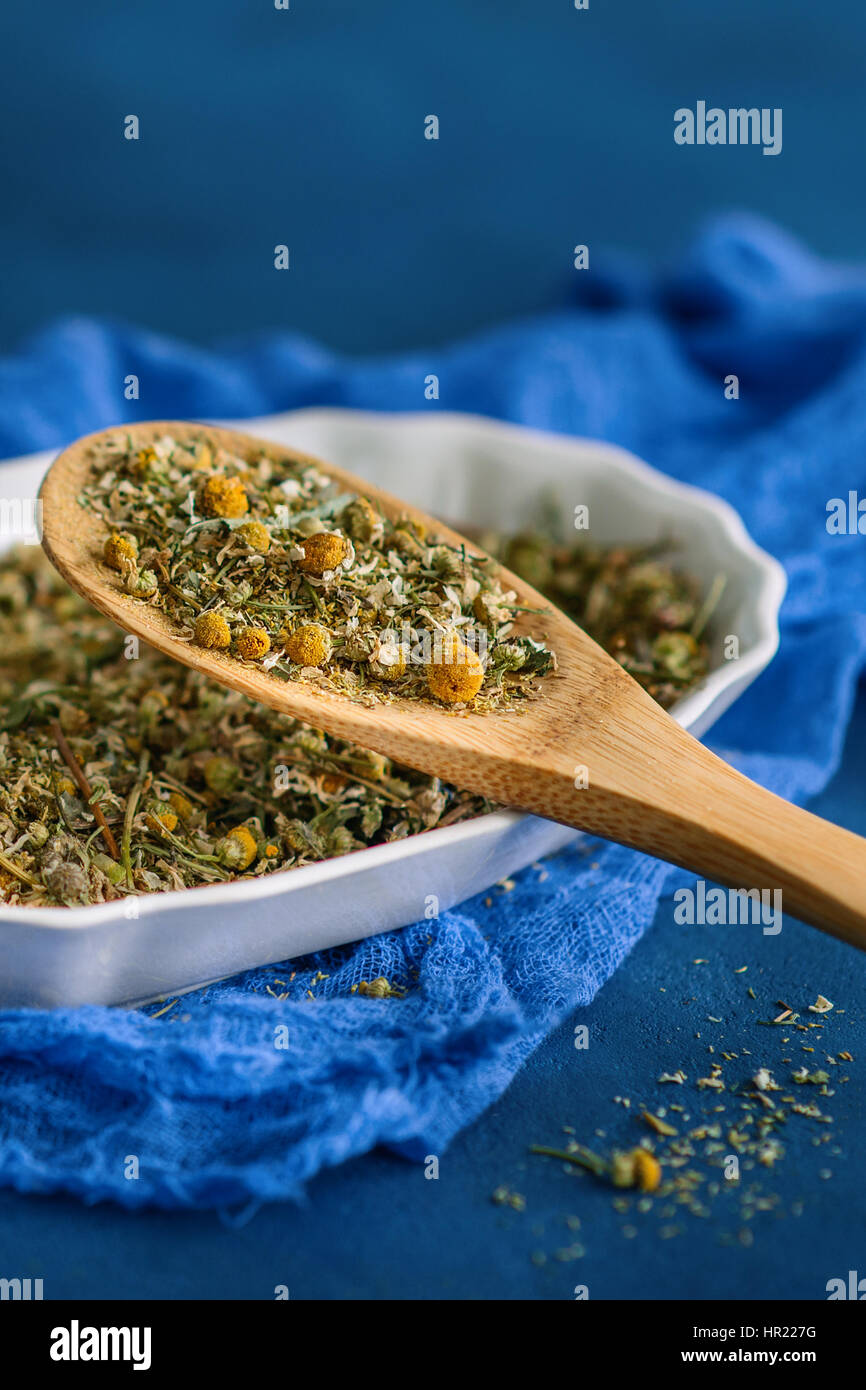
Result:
x=693 y=1169
x=266 y=559
x=189 y=783
x=193 y=783
x=630 y=599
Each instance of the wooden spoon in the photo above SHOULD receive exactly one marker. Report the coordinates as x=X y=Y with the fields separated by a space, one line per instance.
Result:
x=650 y=784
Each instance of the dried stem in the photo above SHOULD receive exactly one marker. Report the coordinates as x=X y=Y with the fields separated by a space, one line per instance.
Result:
x=78 y=773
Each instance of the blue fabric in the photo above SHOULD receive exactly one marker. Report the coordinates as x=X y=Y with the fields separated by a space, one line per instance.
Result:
x=215 y=1114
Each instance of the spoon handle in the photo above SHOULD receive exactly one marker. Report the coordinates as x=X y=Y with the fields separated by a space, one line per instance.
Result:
x=653 y=787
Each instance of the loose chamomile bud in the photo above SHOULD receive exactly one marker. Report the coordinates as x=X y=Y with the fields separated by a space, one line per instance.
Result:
x=118 y=548
x=368 y=764
x=309 y=645
x=237 y=849
x=361 y=521
x=222 y=496
x=323 y=552
x=141 y=583
x=160 y=816
x=212 y=630
x=252 y=643
x=256 y=536
x=220 y=774
x=181 y=805
x=380 y=988
x=67 y=882
x=458 y=676
x=636 y=1168
x=408 y=539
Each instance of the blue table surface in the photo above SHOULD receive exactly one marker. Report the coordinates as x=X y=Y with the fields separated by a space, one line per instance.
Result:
x=375 y=1228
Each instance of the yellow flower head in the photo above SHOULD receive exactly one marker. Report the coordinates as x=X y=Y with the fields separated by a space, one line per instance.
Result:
x=224 y=497
x=181 y=804
x=309 y=645
x=252 y=643
x=212 y=630
x=162 y=818
x=636 y=1168
x=322 y=552
x=458 y=676
x=647 y=1172
x=238 y=848
x=118 y=548
x=256 y=536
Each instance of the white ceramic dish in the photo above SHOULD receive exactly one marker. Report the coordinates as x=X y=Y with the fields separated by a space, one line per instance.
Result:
x=460 y=467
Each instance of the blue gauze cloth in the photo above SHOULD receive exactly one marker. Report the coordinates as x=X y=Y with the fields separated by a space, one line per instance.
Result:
x=214 y=1112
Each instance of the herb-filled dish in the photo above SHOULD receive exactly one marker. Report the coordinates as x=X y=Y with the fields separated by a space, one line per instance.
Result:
x=123 y=772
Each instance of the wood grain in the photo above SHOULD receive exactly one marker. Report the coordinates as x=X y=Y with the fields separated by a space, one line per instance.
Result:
x=650 y=784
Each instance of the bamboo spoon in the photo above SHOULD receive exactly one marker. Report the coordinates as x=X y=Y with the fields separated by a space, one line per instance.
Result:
x=650 y=784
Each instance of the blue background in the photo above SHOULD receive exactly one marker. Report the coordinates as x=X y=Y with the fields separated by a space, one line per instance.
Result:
x=305 y=127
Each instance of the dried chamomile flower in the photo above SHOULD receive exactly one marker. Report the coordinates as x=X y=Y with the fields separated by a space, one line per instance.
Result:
x=636 y=1168
x=489 y=609
x=141 y=583
x=309 y=645
x=252 y=643
x=225 y=497
x=119 y=548
x=256 y=536
x=323 y=552
x=388 y=661
x=212 y=630
x=238 y=848
x=458 y=676
x=181 y=805
x=361 y=521
x=65 y=881
x=162 y=817
x=220 y=774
